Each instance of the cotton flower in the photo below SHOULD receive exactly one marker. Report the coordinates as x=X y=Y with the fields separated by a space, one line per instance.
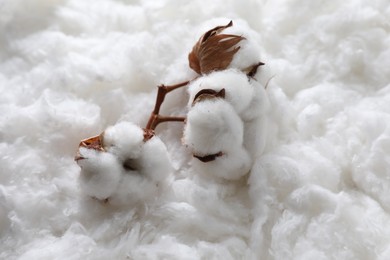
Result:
x=247 y=96
x=214 y=134
x=120 y=167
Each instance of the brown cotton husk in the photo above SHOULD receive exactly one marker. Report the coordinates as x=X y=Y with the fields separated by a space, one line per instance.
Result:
x=252 y=70
x=214 y=51
x=94 y=142
x=208 y=94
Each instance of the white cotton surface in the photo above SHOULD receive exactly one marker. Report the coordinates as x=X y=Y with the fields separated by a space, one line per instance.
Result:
x=124 y=140
x=213 y=126
x=319 y=186
x=249 y=53
x=130 y=171
x=232 y=165
x=100 y=173
x=155 y=160
x=238 y=90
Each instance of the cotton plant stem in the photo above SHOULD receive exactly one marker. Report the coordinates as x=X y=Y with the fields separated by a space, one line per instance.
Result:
x=155 y=118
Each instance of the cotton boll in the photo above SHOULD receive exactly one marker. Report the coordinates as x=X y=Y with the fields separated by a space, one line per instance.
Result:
x=125 y=170
x=100 y=173
x=213 y=126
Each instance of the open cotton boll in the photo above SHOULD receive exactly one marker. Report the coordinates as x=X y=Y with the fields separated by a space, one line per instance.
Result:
x=213 y=126
x=123 y=168
x=100 y=173
x=124 y=139
x=239 y=91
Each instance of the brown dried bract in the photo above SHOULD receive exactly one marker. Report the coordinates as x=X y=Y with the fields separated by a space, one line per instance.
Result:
x=214 y=51
x=94 y=142
x=252 y=70
x=209 y=157
x=208 y=94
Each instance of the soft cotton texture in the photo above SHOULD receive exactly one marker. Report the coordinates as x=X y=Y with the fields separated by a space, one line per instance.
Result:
x=128 y=170
x=239 y=91
x=319 y=188
x=213 y=127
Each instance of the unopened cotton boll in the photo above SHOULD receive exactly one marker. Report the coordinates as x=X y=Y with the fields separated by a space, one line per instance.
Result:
x=213 y=126
x=243 y=94
x=126 y=170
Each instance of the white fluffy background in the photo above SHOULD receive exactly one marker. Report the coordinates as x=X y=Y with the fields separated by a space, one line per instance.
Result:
x=321 y=189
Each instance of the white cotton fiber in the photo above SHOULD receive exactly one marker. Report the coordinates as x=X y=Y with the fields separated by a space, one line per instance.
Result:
x=130 y=171
x=124 y=140
x=238 y=90
x=232 y=165
x=134 y=189
x=100 y=173
x=249 y=53
x=319 y=187
x=155 y=161
x=213 y=126
x=4 y=211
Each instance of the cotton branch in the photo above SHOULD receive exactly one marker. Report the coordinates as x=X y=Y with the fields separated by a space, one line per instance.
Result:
x=155 y=118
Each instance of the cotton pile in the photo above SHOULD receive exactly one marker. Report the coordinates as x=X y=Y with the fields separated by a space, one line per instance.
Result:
x=318 y=183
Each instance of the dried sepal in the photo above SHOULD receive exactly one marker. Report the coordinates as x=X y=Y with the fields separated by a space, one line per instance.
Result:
x=208 y=158
x=252 y=70
x=214 y=51
x=94 y=142
x=148 y=134
x=208 y=94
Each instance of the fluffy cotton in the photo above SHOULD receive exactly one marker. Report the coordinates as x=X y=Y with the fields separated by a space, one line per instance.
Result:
x=245 y=95
x=214 y=127
x=232 y=165
x=124 y=140
x=249 y=53
x=249 y=99
x=100 y=173
x=318 y=190
x=130 y=171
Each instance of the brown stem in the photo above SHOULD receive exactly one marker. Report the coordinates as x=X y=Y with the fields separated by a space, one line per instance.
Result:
x=160 y=119
x=155 y=118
